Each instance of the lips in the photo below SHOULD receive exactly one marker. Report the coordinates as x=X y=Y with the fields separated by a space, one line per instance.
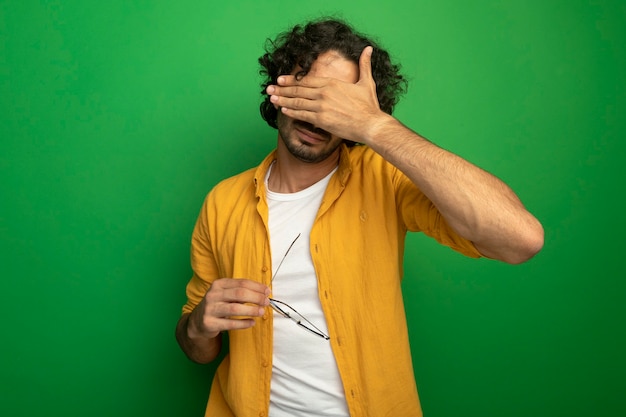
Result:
x=311 y=134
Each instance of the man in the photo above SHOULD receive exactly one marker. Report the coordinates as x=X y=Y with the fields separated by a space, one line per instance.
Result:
x=299 y=260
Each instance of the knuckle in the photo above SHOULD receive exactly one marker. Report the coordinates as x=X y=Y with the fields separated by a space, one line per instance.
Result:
x=212 y=295
x=208 y=324
x=239 y=293
x=232 y=309
x=219 y=283
x=206 y=321
x=210 y=312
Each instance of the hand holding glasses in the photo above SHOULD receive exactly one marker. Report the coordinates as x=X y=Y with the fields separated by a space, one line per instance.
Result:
x=232 y=304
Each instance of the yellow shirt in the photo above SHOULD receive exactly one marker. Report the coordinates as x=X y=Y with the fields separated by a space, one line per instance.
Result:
x=357 y=246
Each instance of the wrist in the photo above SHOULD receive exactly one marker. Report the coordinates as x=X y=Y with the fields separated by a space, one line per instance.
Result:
x=377 y=127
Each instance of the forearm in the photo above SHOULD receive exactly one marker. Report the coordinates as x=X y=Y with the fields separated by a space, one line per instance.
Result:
x=198 y=348
x=476 y=204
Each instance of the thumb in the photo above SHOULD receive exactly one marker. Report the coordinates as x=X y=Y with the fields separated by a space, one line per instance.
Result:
x=365 y=64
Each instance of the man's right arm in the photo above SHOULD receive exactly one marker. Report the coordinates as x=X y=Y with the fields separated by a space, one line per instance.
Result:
x=229 y=304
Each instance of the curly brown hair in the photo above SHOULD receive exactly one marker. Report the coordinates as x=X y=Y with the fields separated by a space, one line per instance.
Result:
x=301 y=45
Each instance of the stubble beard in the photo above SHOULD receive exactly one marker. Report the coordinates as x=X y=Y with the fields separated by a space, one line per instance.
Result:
x=301 y=150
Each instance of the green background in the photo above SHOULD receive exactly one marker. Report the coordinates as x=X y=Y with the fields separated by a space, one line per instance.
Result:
x=117 y=117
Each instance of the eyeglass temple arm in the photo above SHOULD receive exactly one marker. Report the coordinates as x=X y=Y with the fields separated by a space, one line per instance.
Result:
x=284 y=256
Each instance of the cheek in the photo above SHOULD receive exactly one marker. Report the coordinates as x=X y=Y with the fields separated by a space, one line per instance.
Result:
x=282 y=121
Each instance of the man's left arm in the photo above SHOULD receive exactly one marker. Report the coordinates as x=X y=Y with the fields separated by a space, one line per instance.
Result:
x=476 y=204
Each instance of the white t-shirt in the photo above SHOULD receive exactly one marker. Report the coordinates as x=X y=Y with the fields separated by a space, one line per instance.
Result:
x=305 y=378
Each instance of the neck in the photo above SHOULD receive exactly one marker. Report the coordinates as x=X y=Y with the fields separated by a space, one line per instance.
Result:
x=290 y=175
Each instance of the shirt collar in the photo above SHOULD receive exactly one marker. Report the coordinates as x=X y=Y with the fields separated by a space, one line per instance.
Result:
x=343 y=170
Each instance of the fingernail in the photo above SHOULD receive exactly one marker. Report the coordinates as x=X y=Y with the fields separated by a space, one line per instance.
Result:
x=270 y=89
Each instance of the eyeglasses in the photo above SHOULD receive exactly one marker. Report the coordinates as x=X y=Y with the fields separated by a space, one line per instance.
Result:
x=289 y=312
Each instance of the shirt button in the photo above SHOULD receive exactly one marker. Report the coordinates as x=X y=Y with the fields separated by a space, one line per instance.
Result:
x=261 y=413
x=265 y=364
x=264 y=269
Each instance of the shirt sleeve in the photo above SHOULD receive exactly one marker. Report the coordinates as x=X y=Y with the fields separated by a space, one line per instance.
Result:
x=203 y=261
x=419 y=213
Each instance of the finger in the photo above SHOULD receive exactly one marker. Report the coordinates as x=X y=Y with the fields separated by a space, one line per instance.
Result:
x=365 y=64
x=242 y=296
x=286 y=80
x=221 y=316
x=294 y=93
x=214 y=326
x=225 y=325
x=296 y=103
x=308 y=81
x=238 y=291
x=309 y=93
x=303 y=115
x=226 y=283
x=236 y=311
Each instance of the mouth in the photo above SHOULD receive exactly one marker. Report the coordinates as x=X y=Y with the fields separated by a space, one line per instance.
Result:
x=309 y=134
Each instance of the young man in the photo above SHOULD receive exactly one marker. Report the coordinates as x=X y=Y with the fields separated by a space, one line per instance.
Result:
x=300 y=259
